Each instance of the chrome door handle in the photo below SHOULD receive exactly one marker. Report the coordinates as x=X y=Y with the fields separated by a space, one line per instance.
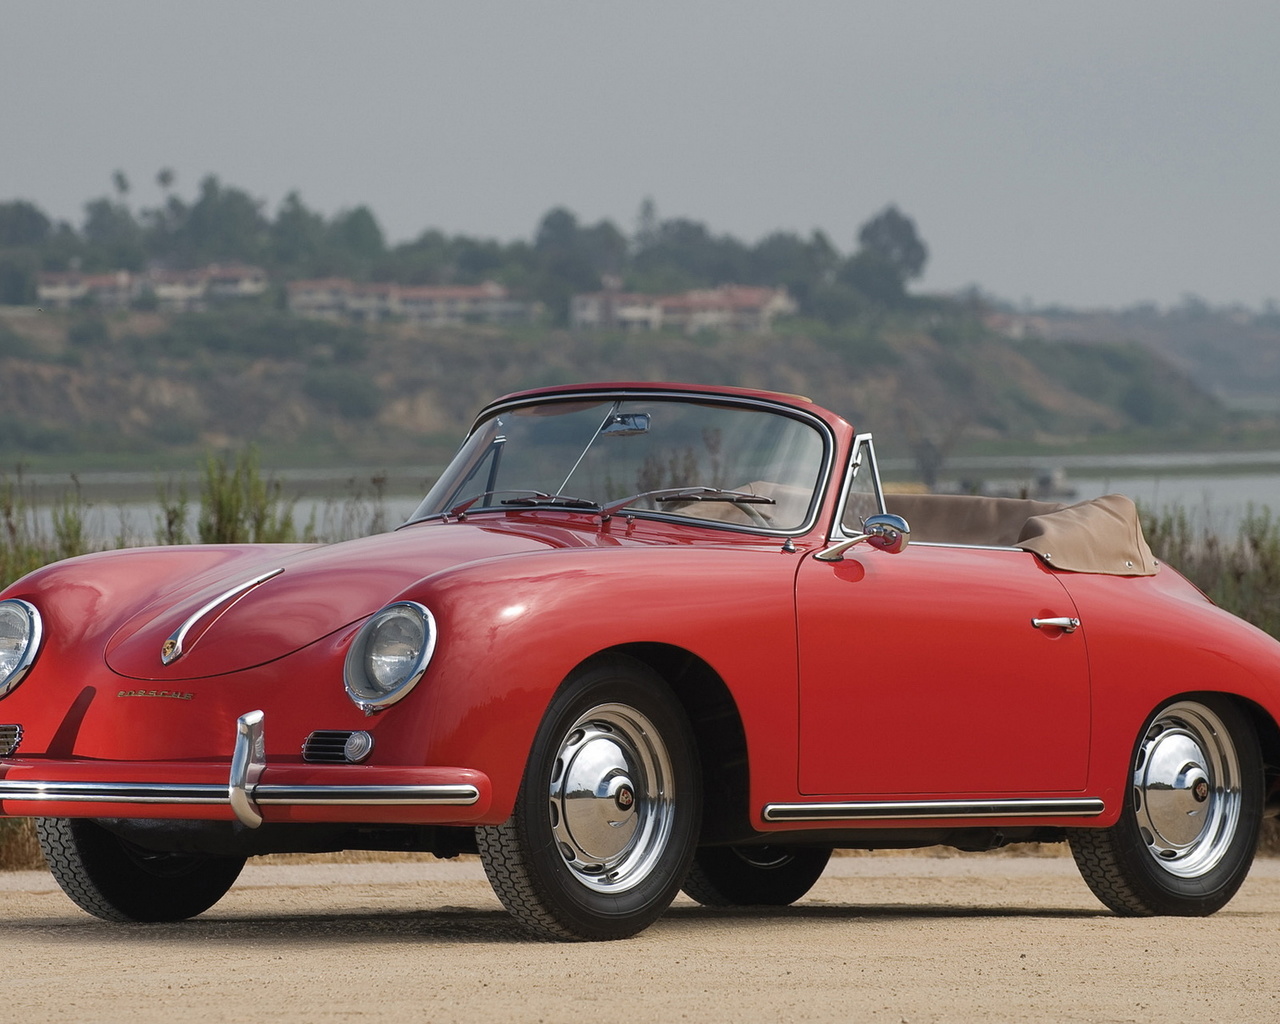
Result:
x=1062 y=622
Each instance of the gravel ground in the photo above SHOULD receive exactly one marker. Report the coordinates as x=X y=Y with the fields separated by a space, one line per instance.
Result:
x=884 y=938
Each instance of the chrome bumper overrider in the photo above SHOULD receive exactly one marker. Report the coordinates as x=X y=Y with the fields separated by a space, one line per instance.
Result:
x=243 y=792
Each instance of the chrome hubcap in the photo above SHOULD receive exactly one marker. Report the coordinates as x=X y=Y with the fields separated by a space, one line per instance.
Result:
x=611 y=800
x=1186 y=784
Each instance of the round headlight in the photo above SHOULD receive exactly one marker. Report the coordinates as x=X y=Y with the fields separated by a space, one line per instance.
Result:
x=389 y=655
x=20 y=634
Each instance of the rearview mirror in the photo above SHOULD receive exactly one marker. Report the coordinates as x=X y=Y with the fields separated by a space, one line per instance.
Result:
x=627 y=424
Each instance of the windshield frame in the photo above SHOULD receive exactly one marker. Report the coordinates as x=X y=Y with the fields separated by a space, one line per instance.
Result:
x=778 y=408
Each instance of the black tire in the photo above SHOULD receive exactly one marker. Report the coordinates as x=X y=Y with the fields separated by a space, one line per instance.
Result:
x=608 y=811
x=761 y=876
x=117 y=881
x=1189 y=828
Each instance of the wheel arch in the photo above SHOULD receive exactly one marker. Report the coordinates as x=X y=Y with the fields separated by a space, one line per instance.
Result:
x=1264 y=726
x=718 y=731
x=1268 y=733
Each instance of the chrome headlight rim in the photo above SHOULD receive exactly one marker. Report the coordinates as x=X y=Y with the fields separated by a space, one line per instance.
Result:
x=34 y=629
x=361 y=689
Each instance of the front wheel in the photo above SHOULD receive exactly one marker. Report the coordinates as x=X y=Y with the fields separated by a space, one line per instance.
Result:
x=1187 y=834
x=744 y=876
x=608 y=811
x=115 y=880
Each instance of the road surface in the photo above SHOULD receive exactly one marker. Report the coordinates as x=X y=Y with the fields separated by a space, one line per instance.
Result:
x=880 y=938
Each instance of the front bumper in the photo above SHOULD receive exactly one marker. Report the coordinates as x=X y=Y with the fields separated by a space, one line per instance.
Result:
x=249 y=790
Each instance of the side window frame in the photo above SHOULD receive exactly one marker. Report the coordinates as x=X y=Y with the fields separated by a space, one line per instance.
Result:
x=862 y=468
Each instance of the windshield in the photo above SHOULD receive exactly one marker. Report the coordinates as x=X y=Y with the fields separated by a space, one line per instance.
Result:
x=743 y=466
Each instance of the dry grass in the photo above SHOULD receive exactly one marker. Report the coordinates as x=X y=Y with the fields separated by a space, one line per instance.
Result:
x=19 y=849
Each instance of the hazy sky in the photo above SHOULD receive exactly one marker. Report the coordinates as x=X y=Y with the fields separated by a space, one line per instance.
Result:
x=1087 y=153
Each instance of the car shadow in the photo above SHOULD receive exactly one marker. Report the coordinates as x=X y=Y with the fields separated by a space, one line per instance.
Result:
x=882 y=911
x=452 y=925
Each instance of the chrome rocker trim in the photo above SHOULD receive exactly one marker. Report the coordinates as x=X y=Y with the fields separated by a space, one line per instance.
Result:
x=931 y=809
x=243 y=793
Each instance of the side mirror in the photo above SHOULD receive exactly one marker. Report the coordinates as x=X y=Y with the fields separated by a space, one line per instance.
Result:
x=886 y=531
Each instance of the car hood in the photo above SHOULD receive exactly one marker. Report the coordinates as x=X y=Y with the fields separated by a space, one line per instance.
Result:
x=272 y=602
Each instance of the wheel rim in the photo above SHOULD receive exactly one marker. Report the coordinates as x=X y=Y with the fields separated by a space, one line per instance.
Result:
x=1186 y=790
x=611 y=798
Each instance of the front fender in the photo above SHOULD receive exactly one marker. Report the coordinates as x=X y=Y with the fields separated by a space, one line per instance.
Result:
x=511 y=631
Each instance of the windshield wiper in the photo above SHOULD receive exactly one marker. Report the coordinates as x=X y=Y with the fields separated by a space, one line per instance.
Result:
x=670 y=494
x=460 y=508
x=529 y=498
x=540 y=500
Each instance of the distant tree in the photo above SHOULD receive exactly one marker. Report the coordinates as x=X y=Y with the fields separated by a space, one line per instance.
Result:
x=570 y=258
x=563 y=268
x=298 y=238
x=113 y=238
x=873 y=277
x=647 y=224
x=605 y=247
x=435 y=258
x=685 y=251
x=800 y=265
x=223 y=224
x=17 y=282
x=474 y=259
x=557 y=231
x=358 y=234
x=121 y=184
x=161 y=226
x=428 y=259
x=893 y=238
x=890 y=253
x=23 y=223
x=165 y=178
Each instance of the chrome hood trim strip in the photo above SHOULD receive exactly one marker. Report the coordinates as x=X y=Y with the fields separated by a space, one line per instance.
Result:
x=173 y=647
x=913 y=810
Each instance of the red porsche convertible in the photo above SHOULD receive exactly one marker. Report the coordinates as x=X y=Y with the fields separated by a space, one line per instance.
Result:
x=641 y=637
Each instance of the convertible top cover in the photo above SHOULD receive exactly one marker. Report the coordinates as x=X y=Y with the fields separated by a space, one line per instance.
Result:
x=1102 y=535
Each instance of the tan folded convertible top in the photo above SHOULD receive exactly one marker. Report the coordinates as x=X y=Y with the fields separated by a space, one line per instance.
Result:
x=1102 y=535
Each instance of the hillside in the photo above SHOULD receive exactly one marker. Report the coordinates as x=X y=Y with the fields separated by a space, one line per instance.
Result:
x=90 y=390
x=1233 y=353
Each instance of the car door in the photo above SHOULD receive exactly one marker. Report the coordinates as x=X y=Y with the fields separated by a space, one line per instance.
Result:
x=921 y=673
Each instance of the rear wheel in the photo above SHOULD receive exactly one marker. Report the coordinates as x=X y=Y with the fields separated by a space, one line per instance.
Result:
x=1189 y=827
x=117 y=881
x=743 y=876
x=608 y=811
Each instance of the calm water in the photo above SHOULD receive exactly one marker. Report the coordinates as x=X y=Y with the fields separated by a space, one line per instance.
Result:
x=1204 y=484
x=1215 y=488
x=1217 y=499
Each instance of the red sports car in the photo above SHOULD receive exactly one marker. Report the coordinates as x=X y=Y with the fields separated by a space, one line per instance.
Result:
x=641 y=637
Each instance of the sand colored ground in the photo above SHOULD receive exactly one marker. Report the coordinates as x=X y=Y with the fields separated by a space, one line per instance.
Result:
x=888 y=938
